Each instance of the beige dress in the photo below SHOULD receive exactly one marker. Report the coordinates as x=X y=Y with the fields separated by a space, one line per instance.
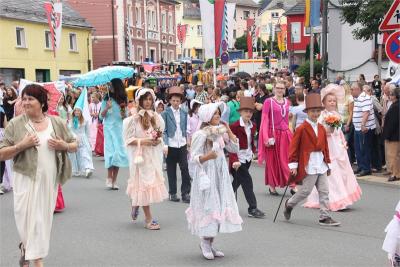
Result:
x=35 y=200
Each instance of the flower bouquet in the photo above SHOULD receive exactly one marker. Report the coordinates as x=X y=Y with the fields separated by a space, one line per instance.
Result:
x=333 y=121
x=156 y=133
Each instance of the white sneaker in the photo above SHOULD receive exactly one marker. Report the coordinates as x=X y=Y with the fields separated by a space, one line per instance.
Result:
x=206 y=249
x=109 y=183
x=114 y=187
x=1 y=191
x=88 y=173
x=217 y=253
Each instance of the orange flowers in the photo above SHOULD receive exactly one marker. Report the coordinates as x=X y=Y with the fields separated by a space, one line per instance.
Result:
x=333 y=121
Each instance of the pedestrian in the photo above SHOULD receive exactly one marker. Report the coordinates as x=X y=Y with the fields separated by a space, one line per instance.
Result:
x=240 y=162
x=299 y=116
x=213 y=207
x=38 y=143
x=94 y=109
x=5 y=166
x=113 y=111
x=63 y=109
x=261 y=96
x=343 y=187
x=201 y=94
x=377 y=86
x=175 y=144
x=10 y=97
x=81 y=160
x=143 y=139
x=391 y=244
x=193 y=123
x=392 y=137
x=274 y=140
x=234 y=106
x=364 y=126
x=309 y=159
x=159 y=106
x=345 y=109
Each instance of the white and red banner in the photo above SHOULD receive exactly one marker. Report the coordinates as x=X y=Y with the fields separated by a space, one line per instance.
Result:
x=54 y=19
x=181 y=32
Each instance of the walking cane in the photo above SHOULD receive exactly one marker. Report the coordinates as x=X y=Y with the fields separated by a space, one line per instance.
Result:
x=276 y=214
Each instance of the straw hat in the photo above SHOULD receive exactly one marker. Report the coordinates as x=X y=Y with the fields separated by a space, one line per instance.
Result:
x=175 y=90
x=246 y=103
x=313 y=100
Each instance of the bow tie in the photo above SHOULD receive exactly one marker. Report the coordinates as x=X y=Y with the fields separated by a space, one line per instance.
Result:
x=150 y=113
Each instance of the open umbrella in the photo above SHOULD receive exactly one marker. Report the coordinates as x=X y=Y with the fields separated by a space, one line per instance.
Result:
x=103 y=75
x=242 y=75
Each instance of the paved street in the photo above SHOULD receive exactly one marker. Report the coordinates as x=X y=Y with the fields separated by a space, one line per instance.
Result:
x=96 y=230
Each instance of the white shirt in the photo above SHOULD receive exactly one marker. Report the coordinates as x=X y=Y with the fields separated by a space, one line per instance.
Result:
x=316 y=164
x=178 y=140
x=246 y=155
x=363 y=103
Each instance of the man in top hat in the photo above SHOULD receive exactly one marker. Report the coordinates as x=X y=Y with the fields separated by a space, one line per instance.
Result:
x=240 y=162
x=309 y=161
x=175 y=140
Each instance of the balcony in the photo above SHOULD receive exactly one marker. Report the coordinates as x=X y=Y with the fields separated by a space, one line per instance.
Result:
x=152 y=35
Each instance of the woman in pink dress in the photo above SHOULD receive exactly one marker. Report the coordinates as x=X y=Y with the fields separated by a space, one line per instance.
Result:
x=343 y=187
x=94 y=109
x=193 y=121
x=274 y=139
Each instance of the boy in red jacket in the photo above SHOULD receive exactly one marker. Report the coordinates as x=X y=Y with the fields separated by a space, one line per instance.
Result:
x=308 y=161
x=240 y=162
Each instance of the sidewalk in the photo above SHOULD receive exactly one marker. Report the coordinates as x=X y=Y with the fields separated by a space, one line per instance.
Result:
x=378 y=178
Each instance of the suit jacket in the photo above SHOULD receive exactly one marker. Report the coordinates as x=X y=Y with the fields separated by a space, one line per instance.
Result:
x=240 y=133
x=391 y=124
x=170 y=124
x=303 y=143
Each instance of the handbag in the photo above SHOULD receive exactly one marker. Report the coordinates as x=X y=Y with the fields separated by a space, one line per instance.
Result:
x=138 y=160
x=271 y=141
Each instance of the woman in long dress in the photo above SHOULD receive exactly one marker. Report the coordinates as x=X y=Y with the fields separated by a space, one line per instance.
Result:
x=343 y=187
x=113 y=111
x=39 y=144
x=274 y=139
x=94 y=109
x=213 y=207
x=142 y=135
x=5 y=166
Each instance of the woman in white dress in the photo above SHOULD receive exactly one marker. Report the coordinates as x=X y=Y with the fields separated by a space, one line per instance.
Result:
x=38 y=144
x=213 y=207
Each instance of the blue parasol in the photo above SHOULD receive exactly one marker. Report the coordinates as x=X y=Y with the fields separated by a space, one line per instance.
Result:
x=103 y=75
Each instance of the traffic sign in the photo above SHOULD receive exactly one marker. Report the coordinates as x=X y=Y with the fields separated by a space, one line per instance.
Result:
x=392 y=47
x=392 y=18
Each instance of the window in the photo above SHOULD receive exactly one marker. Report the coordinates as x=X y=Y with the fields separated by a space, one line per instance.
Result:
x=199 y=30
x=148 y=18
x=275 y=15
x=246 y=14
x=164 y=56
x=47 y=39
x=72 y=42
x=153 y=18
x=130 y=16
x=171 y=55
x=138 y=17
x=20 y=32
x=164 y=22
x=234 y=34
x=171 y=24
x=140 y=53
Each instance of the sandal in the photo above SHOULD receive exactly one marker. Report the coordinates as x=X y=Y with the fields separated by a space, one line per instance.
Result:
x=22 y=261
x=153 y=225
x=135 y=213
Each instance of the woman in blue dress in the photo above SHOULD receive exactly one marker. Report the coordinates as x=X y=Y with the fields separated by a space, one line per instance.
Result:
x=113 y=111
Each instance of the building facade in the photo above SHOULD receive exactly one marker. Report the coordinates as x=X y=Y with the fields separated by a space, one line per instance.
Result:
x=26 y=48
x=131 y=30
x=245 y=9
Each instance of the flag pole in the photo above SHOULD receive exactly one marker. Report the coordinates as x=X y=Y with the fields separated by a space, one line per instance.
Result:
x=215 y=71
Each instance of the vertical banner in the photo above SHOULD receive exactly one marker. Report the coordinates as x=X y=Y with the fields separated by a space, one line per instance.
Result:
x=220 y=25
x=54 y=19
x=231 y=22
x=249 y=45
x=207 y=24
x=312 y=13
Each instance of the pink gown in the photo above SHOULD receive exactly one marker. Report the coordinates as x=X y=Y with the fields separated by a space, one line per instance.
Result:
x=276 y=157
x=343 y=187
x=94 y=108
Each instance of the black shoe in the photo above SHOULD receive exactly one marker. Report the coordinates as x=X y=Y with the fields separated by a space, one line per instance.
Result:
x=287 y=211
x=174 y=198
x=364 y=173
x=393 y=179
x=186 y=198
x=273 y=193
x=328 y=222
x=357 y=171
x=256 y=213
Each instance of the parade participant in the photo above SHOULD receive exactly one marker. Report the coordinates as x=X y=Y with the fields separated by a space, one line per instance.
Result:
x=94 y=109
x=63 y=109
x=240 y=162
x=201 y=94
x=391 y=244
x=274 y=139
x=213 y=207
x=175 y=147
x=345 y=109
x=193 y=122
x=38 y=143
x=299 y=116
x=343 y=187
x=309 y=159
x=143 y=139
x=112 y=113
x=364 y=125
x=392 y=137
x=159 y=106
x=81 y=160
x=233 y=105
x=5 y=166
x=10 y=97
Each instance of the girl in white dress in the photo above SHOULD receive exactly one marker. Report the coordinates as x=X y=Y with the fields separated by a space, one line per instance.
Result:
x=213 y=207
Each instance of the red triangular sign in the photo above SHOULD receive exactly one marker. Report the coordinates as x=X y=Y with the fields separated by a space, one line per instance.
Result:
x=392 y=18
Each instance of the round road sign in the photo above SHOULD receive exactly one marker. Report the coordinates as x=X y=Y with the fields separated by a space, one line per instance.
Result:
x=392 y=47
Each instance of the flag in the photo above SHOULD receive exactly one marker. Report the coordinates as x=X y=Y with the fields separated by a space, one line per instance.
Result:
x=249 y=45
x=214 y=25
x=312 y=13
x=231 y=22
x=54 y=19
x=181 y=32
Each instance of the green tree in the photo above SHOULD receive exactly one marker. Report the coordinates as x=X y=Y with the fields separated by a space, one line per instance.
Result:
x=316 y=49
x=241 y=43
x=209 y=63
x=304 y=70
x=368 y=14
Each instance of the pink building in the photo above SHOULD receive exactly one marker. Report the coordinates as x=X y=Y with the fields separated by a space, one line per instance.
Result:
x=130 y=30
